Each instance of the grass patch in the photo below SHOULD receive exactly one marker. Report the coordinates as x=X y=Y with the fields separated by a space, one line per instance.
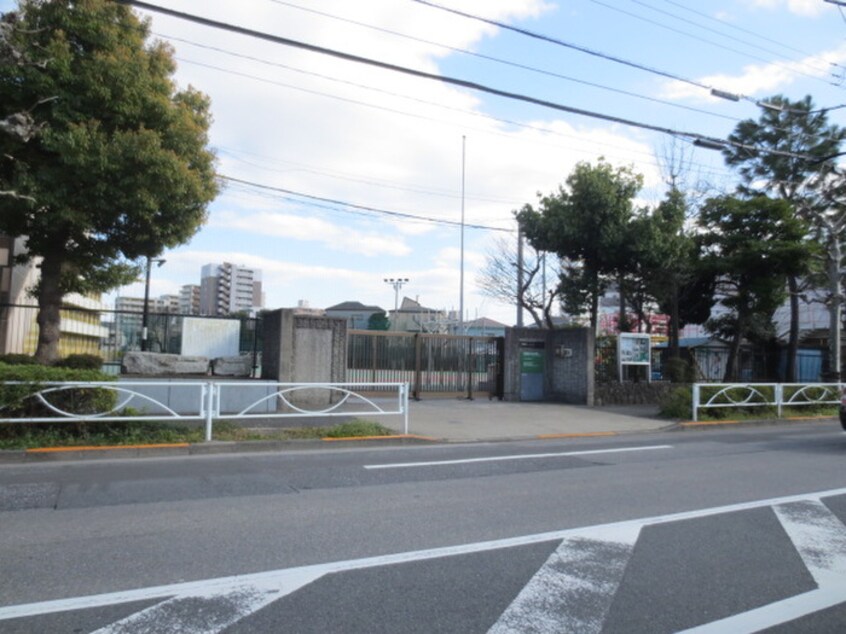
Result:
x=77 y=434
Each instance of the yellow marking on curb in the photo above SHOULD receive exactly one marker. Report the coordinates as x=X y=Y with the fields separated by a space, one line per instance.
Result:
x=740 y=422
x=583 y=435
x=106 y=447
x=414 y=436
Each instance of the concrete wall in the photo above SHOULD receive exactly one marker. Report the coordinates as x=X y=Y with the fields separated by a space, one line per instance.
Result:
x=568 y=368
x=304 y=349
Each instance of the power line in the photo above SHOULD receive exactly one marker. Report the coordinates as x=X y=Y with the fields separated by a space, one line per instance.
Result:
x=696 y=138
x=373 y=210
x=619 y=60
x=505 y=62
x=720 y=33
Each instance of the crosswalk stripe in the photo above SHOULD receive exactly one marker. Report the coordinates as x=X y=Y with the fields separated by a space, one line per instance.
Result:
x=207 y=613
x=820 y=539
x=574 y=589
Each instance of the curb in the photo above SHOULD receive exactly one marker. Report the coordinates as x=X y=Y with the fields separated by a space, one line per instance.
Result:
x=57 y=454
x=758 y=422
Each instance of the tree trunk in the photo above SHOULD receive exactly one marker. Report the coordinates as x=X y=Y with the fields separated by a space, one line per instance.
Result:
x=731 y=363
x=793 y=338
x=673 y=327
x=834 y=309
x=622 y=322
x=594 y=304
x=49 y=307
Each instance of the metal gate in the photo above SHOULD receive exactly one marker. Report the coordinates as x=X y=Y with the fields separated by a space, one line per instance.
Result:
x=430 y=363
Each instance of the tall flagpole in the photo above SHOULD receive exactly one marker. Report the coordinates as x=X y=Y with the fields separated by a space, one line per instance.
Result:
x=461 y=295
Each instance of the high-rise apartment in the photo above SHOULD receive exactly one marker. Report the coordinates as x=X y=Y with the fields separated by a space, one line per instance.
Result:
x=229 y=288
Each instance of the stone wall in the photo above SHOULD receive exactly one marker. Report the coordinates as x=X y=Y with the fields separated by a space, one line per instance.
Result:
x=632 y=393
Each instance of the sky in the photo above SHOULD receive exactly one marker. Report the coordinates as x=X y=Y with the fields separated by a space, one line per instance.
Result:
x=338 y=175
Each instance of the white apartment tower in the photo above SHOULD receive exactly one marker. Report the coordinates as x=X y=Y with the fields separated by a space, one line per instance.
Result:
x=229 y=288
x=189 y=299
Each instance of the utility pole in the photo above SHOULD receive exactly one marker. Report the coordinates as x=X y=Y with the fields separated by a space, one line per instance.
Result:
x=519 y=276
x=461 y=283
x=397 y=283
x=145 y=314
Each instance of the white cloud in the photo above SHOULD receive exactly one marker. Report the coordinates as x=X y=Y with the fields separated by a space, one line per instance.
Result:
x=809 y=8
x=759 y=79
x=311 y=229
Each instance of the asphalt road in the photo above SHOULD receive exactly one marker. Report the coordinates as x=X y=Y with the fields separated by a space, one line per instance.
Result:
x=734 y=530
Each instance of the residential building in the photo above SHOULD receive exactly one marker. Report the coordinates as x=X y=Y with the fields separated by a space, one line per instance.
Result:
x=483 y=327
x=357 y=314
x=411 y=316
x=80 y=328
x=189 y=299
x=229 y=288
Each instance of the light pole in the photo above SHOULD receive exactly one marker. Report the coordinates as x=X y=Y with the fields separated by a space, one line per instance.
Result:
x=397 y=283
x=146 y=312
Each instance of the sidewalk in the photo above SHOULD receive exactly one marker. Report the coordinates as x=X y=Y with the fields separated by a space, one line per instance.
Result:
x=460 y=420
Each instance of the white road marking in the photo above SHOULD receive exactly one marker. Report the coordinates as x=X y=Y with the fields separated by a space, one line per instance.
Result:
x=820 y=539
x=574 y=589
x=288 y=579
x=528 y=456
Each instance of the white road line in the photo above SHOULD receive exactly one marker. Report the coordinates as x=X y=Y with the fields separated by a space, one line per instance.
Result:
x=528 y=456
x=574 y=589
x=820 y=539
x=207 y=612
x=285 y=577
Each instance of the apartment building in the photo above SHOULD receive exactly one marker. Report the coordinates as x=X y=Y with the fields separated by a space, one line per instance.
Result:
x=228 y=288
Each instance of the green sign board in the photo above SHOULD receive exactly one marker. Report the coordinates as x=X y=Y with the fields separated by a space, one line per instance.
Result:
x=531 y=361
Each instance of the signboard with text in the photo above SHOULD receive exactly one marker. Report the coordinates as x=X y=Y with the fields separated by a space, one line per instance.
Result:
x=634 y=349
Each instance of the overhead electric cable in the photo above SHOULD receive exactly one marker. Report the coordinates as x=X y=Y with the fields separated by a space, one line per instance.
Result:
x=717 y=32
x=695 y=137
x=384 y=212
x=613 y=58
x=505 y=62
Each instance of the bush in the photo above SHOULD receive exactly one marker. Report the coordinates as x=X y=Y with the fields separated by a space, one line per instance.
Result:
x=678 y=371
x=677 y=403
x=17 y=401
x=18 y=359
x=81 y=362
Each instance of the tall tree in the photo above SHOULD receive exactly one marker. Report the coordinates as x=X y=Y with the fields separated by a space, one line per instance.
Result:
x=587 y=224
x=664 y=257
x=535 y=291
x=750 y=245
x=119 y=169
x=787 y=153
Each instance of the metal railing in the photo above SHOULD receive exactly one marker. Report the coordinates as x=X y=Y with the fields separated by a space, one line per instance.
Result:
x=207 y=401
x=777 y=395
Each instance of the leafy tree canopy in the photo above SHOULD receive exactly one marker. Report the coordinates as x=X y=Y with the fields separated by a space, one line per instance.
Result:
x=120 y=167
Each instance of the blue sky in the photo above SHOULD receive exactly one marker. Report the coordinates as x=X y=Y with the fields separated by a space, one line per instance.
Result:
x=314 y=125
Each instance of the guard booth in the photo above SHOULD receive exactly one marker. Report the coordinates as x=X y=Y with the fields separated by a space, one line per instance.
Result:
x=549 y=365
x=532 y=364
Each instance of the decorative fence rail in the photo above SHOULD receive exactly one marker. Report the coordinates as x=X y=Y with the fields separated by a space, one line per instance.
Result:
x=777 y=395
x=205 y=401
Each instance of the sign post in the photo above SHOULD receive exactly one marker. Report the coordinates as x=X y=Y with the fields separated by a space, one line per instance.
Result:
x=634 y=349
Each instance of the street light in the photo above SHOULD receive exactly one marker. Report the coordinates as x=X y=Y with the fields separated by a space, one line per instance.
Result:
x=146 y=313
x=397 y=283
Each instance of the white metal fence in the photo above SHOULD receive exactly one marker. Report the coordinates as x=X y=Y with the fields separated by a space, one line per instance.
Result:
x=209 y=401
x=777 y=395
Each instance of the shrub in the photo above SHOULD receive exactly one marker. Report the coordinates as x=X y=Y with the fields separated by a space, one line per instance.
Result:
x=18 y=359
x=16 y=400
x=81 y=362
x=677 y=403
x=679 y=371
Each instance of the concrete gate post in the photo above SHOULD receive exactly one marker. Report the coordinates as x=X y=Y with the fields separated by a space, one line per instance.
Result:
x=304 y=349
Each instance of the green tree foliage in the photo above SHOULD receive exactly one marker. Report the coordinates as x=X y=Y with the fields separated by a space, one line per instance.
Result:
x=664 y=264
x=787 y=153
x=378 y=321
x=119 y=169
x=587 y=224
x=750 y=246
